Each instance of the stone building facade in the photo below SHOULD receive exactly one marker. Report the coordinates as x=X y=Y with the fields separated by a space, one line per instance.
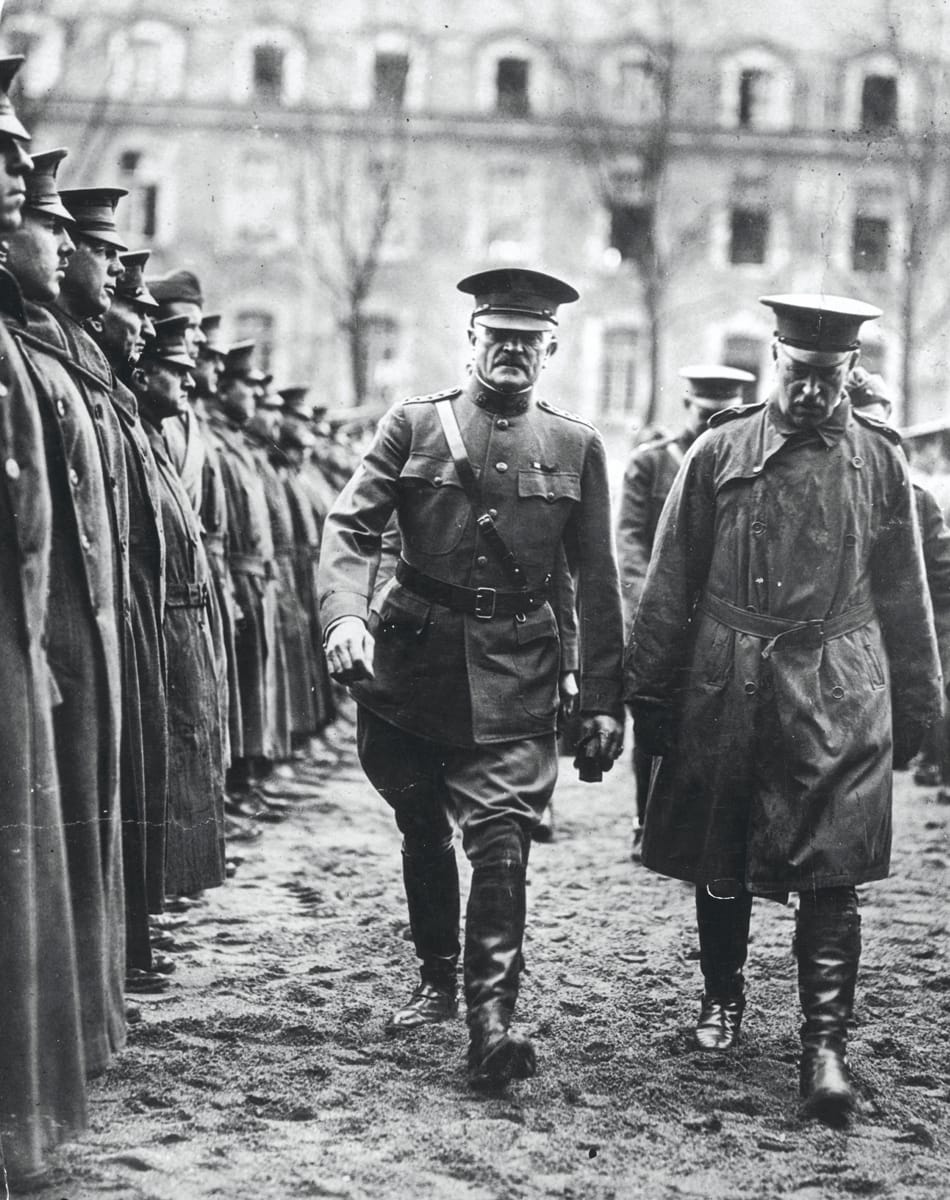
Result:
x=737 y=148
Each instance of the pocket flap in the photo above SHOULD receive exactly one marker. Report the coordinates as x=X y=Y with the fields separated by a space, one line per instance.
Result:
x=550 y=485
x=421 y=470
x=402 y=609
x=538 y=624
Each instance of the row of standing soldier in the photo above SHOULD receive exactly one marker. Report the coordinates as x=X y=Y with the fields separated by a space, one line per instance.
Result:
x=159 y=634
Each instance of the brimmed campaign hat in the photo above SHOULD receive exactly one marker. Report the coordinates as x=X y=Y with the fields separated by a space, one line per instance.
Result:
x=712 y=385
x=93 y=210
x=131 y=286
x=9 y=122
x=169 y=344
x=514 y=298
x=42 y=194
x=815 y=324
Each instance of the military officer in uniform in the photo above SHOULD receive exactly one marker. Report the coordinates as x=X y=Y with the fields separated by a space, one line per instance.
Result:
x=782 y=658
x=457 y=680
x=646 y=484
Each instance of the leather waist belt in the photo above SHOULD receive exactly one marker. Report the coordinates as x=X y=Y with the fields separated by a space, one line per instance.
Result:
x=187 y=595
x=483 y=603
x=252 y=564
x=807 y=634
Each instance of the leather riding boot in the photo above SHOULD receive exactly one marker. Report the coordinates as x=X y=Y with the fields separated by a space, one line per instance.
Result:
x=723 y=943
x=828 y=944
x=494 y=931
x=432 y=893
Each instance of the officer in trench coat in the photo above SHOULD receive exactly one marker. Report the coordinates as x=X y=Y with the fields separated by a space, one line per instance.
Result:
x=647 y=481
x=42 y=1083
x=782 y=658
x=457 y=680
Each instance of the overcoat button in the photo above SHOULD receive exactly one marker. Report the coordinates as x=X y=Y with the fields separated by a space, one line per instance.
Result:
x=750 y=689
x=493 y=512
x=502 y=467
x=482 y=560
x=550 y=495
x=837 y=692
x=86 y=544
x=502 y=423
x=757 y=527
x=437 y=481
x=12 y=468
x=857 y=461
x=535 y=466
x=73 y=476
x=61 y=408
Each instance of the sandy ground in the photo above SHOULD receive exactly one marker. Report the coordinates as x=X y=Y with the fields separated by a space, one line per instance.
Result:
x=266 y=1072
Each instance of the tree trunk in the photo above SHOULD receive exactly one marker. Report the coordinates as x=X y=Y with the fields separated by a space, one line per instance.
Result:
x=653 y=298
x=356 y=338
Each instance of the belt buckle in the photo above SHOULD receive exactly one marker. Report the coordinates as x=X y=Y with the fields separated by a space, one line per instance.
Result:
x=484 y=603
x=814 y=634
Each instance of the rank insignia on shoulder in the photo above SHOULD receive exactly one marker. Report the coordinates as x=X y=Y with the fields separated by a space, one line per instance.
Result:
x=448 y=394
x=734 y=411
x=880 y=426
x=563 y=412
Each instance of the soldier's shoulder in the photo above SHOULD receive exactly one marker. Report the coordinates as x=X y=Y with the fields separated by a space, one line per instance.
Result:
x=431 y=397
x=734 y=413
x=877 y=426
x=552 y=410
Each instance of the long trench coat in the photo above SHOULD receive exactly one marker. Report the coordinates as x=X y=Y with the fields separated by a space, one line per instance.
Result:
x=85 y=654
x=306 y=557
x=42 y=1084
x=251 y=562
x=146 y=711
x=447 y=675
x=779 y=774
x=194 y=857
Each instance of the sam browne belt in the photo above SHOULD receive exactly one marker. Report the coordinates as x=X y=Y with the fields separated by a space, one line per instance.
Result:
x=483 y=603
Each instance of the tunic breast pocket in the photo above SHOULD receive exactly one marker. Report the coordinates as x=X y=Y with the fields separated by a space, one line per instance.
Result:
x=546 y=500
x=433 y=507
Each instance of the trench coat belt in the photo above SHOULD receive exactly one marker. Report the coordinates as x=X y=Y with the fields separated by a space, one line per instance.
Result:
x=808 y=634
x=483 y=603
x=252 y=564
x=187 y=595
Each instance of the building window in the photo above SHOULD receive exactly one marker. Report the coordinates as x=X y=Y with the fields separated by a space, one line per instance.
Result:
x=146 y=61
x=139 y=213
x=511 y=87
x=744 y=353
x=268 y=72
x=264 y=173
x=879 y=103
x=258 y=325
x=870 y=243
x=748 y=235
x=631 y=232
x=753 y=89
x=637 y=95
x=756 y=91
x=389 y=80
x=618 y=390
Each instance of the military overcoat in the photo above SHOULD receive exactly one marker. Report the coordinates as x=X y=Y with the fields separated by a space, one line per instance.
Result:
x=447 y=675
x=780 y=773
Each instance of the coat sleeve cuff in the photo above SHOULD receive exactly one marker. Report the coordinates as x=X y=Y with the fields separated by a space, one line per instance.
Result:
x=600 y=694
x=337 y=605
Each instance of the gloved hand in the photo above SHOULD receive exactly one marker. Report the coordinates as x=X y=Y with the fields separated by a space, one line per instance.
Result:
x=598 y=745
x=653 y=727
x=908 y=737
x=349 y=650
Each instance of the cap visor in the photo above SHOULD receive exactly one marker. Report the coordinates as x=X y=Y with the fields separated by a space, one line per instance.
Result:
x=51 y=208
x=820 y=358
x=97 y=235
x=11 y=127
x=518 y=321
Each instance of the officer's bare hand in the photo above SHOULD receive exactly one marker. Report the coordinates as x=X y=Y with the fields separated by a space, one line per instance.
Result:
x=349 y=651
x=607 y=732
x=568 y=692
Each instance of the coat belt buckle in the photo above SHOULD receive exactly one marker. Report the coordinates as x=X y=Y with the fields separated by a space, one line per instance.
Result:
x=484 y=603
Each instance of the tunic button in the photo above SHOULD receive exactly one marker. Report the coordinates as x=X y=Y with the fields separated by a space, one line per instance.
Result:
x=493 y=513
x=837 y=692
x=482 y=560
x=750 y=689
x=61 y=408
x=535 y=466
x=757 y=527
x=501 y=467
x=73 y=476
x=86 y=544
x=437 y=481
x=550 y=496
x=12 y=468
x=857 y=461
x=501 y=423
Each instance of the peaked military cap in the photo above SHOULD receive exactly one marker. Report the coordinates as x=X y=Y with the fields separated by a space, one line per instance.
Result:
x=711 y=385
x=42 y=194
x=819 y=324
x=237 y=361
x=214 y=340
x=93 y=210
x=131 y=285
x=296 y=436
x=270 y=399
x=295 y=400
x=9 y=121
x=177 y=286
x=513 y=298
x=169 y=344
